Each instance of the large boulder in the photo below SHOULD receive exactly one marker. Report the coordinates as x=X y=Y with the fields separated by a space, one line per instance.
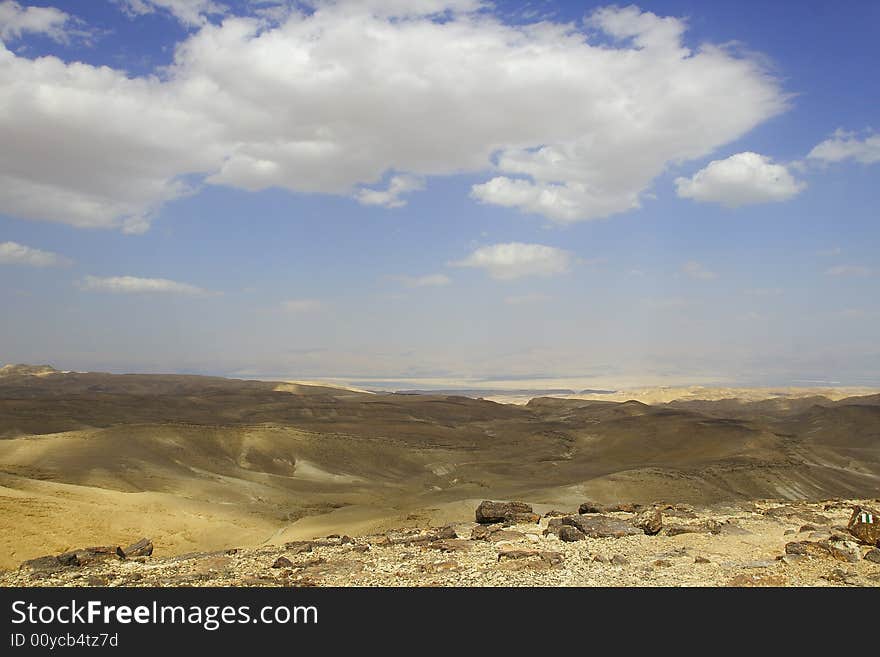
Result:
x=490 y=512
x=599 y=526
x=864 y=524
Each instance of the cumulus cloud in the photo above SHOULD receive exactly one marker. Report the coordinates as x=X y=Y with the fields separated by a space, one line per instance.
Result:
x=694 y=269
x=301 y=305
x=844 y=145
x=189 y=12
x=576 y=126
x=515 y=259
x=429 y=280
x=390 y=197
x=13 y=253
x=17 y=20
x=848 y=270
x=741 y=179
x=136 y=285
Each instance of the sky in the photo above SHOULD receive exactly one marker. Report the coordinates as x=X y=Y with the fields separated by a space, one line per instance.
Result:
x=444 y=192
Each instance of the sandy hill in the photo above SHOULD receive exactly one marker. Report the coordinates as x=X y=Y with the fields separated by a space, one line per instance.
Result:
x=204 y=463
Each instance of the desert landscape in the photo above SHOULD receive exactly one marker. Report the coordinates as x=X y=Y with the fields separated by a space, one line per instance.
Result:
x=241 y=474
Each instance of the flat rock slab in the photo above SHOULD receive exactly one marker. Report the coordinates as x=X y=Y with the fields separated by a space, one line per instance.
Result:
x=599 y=526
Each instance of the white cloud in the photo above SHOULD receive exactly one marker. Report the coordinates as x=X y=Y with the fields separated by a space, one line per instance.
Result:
x=741 y=179
x=578 y=127
x=301 y=305
x=515 y=259
x=16 y=20
x=848 y=270
x=526 y=299
x=390 y=198
x=136 y=285
x=844 y=145
x=429 y=280
x=189 y=12
x=834 y=251
x=696 y=270
x=12 y=253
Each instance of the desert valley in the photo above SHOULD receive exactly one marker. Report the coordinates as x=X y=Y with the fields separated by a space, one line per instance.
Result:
x=206 y=466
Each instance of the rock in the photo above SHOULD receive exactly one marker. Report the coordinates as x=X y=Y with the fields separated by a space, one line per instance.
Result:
x=298 y=547
x=650 y=522
x=627 y=507
x=845 y=551
x=864 y=524
x=873 y=555
x=791 y=559
x=591 y=507
x=555 y=514
x=506 y=535
x=490 y=512
x=142 y=548
x=701 y=560
x=282 y=562
x=444 y=533
x=663 y=563
x=47 y=564
x=483 y=532
x=619 y=560
x=788 y=532
x=452 y=545
x=570 y=534
x=360 y=548
x=807 y=528
x=598 y=526
x=599 y=558
x=807 y=548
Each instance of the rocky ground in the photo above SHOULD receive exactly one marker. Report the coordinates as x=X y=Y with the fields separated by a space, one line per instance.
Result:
x=766 y=543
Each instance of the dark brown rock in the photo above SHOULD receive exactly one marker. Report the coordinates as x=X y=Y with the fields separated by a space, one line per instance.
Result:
x=570 y=534
x=298 y=547
x=491 y=512
x=591 y=507
x=445 y=532
x=873 y=555
x=452 y=545
x=47 y=564
x=142 y=548
x=282 y=562
x=701 y=560
x=619 y=560
x=599 y=526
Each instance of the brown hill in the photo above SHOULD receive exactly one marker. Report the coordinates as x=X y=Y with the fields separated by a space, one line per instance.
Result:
x=205 y=462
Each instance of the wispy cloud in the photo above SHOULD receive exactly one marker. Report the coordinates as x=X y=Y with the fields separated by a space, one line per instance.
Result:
x=694 y=269
x=137 y=285
x=13 y=253
x=515 y=260
x=845 y=145
x=848 y=270
x=428 y=280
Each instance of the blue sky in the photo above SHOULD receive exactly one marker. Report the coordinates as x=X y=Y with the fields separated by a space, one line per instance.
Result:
x=447 y=191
